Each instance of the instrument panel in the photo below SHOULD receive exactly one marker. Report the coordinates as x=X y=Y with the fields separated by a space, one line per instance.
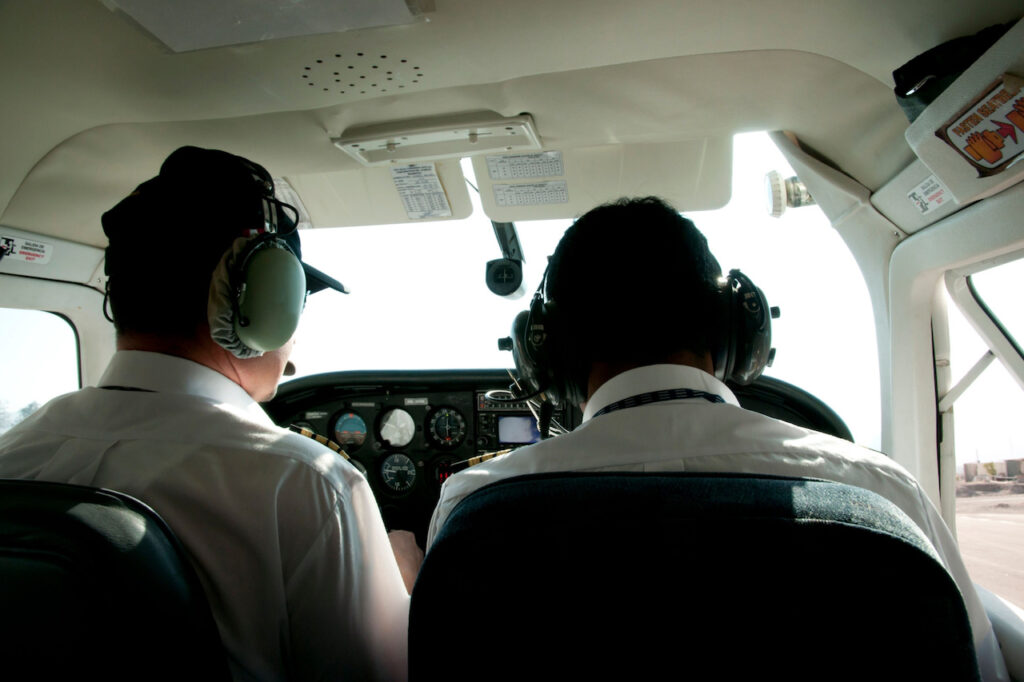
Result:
x=408 y=431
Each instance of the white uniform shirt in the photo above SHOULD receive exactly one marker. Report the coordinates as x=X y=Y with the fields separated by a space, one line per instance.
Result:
x=285 y=535
x=700 y=436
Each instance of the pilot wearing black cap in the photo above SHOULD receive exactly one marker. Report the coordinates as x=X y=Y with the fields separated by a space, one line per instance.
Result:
x=207 y=243
x=205 y=288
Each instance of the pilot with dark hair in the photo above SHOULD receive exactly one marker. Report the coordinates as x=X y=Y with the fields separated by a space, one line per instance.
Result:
x=206 y=287
x=635 y=323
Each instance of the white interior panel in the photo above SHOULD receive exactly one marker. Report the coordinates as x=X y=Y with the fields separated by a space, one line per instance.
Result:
x=907 y=201
x=63 y=260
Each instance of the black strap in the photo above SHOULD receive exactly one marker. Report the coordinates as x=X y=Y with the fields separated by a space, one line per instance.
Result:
x=126 y=388
x=659 y=397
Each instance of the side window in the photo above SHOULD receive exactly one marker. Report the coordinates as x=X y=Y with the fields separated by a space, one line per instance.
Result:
x=998 y=290
x=989 y=443
x=39 y=354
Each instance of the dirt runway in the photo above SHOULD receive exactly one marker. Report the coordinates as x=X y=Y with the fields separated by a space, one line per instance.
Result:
x=990 y=529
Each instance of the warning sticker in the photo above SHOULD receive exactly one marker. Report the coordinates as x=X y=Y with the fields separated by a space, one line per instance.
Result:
x=532 y=194
x=929 y=195
x=26 y=250
x=990 y=132
x=522 y=166
x=421 y=191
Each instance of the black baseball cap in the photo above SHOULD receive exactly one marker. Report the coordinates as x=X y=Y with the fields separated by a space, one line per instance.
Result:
x=183 y=220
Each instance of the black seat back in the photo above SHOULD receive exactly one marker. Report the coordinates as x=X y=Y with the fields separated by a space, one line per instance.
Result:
x=645 y=576
x=93 y=582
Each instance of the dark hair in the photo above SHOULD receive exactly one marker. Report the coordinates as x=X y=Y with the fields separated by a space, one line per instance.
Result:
x=634 y=281
x=161 y=301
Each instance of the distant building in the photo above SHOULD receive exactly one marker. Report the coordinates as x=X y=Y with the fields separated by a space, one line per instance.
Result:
x=1011 y=468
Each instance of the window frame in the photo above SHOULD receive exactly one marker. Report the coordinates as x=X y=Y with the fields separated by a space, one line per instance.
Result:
x=980 y=316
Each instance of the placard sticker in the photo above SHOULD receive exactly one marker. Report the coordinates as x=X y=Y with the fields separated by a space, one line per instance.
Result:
x=929 y=195
x=25 y=250
x=422 y=193
x=523 y=166
x=990 y=132
x=532 y=194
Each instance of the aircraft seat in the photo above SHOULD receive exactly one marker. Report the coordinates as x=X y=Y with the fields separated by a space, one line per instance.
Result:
x=94 y=584
x=651 y=576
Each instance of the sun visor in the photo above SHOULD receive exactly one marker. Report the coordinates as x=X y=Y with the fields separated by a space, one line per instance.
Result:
x=971 y=137
x=555 y=183
x=427 y=191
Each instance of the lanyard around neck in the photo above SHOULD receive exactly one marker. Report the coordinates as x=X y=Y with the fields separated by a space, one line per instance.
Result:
x=127 y=388
x=659 y=397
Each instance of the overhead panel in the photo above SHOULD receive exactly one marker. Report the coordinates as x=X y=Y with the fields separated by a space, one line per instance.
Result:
x=554 y=183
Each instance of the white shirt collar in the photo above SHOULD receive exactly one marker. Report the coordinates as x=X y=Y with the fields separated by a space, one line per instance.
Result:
x=655 y=378
x=171 y=374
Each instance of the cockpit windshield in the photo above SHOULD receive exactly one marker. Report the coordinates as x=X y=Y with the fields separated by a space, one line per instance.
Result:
x=419 y=301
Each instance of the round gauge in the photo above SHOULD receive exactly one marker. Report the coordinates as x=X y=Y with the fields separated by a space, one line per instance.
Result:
x=398 y=472
x=397 y=427
x=349 y=431
x=446 y=427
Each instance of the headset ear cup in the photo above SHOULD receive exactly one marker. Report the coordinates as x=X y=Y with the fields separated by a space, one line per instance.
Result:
x=540 y=344
x=526 y=366
x=221 y=308
x=751 y=333
x=257 y=293
x=722 y=347
x=271 y=297
x=543 y=355
x=557 y=364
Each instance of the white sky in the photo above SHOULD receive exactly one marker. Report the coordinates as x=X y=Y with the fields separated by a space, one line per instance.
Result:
x=988 y=414
x=419 y=302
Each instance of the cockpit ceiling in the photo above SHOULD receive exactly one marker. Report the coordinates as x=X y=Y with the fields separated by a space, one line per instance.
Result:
x=647 y=103
x=93 y=102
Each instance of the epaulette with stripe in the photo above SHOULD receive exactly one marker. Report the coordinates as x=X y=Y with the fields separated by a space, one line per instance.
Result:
x=456 y=467
x=323 y=440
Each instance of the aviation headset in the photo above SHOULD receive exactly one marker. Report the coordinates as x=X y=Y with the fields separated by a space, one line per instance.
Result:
x=548 y=362
x=258 y=290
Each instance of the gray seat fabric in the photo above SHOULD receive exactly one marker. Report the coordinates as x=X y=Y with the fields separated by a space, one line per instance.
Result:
x=92 y=582
x=654 y=576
